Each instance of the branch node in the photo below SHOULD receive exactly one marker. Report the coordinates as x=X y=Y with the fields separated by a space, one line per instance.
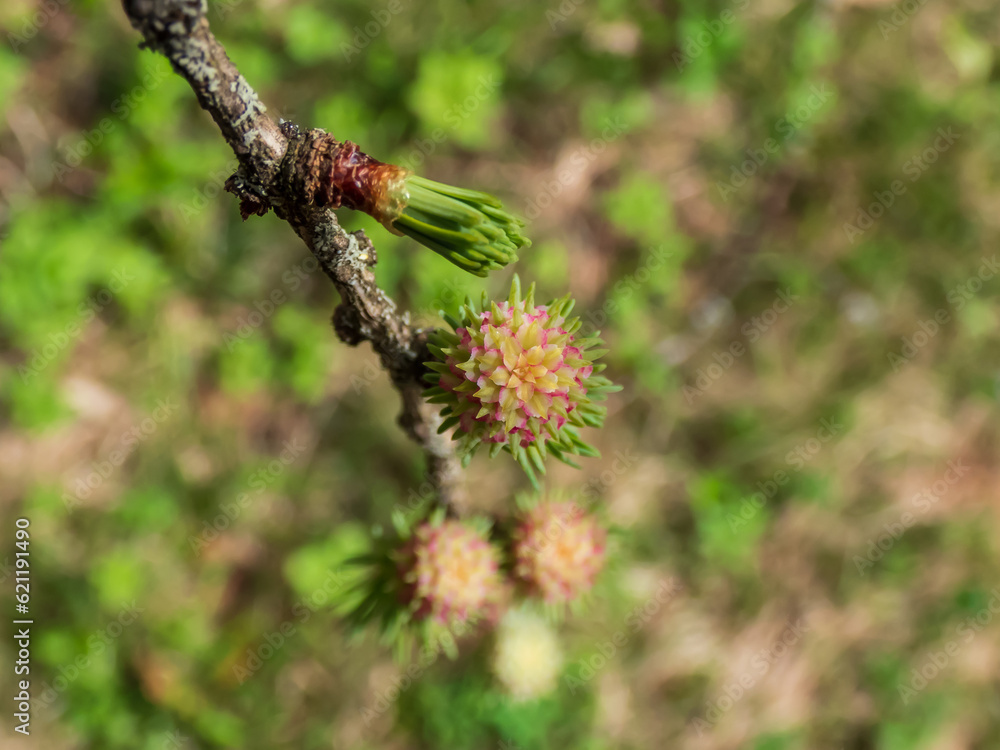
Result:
x=252 y=199
x=347 y=325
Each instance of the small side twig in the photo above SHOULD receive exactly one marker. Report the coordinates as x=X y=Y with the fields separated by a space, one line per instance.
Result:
x=268 y=178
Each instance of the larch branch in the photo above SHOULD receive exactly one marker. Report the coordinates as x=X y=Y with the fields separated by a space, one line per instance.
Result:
x=265 y=149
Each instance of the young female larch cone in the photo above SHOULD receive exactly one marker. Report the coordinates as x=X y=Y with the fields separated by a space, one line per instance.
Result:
x=558 y=551
x=469 y=228
x=528 y=658
x=520 y=377
x=450 y=572
x=432 y=582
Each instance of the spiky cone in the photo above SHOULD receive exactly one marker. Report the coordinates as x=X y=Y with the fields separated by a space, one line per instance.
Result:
x=469 y=228
x=558 y=550
x=429 y=584
x=450 y=573
x=519 y=377
x=527 y=658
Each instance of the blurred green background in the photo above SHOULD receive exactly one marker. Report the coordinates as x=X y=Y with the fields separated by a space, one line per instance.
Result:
x=783 y=216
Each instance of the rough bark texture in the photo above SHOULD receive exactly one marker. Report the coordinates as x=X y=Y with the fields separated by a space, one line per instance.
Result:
x=273 y=173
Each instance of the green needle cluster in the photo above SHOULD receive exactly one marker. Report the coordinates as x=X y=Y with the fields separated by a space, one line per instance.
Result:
x=469 y=228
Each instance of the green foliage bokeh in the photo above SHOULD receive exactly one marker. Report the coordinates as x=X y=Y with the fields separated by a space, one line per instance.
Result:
x=683 y=165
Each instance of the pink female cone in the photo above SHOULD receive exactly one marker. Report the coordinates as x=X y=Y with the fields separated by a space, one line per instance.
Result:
x=519 y=377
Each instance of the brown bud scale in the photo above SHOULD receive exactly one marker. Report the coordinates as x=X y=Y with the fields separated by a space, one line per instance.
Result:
x=329 y=173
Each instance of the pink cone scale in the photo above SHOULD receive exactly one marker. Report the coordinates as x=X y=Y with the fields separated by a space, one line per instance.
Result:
x=518 y=377
x=450 y=572
x=558 y=550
